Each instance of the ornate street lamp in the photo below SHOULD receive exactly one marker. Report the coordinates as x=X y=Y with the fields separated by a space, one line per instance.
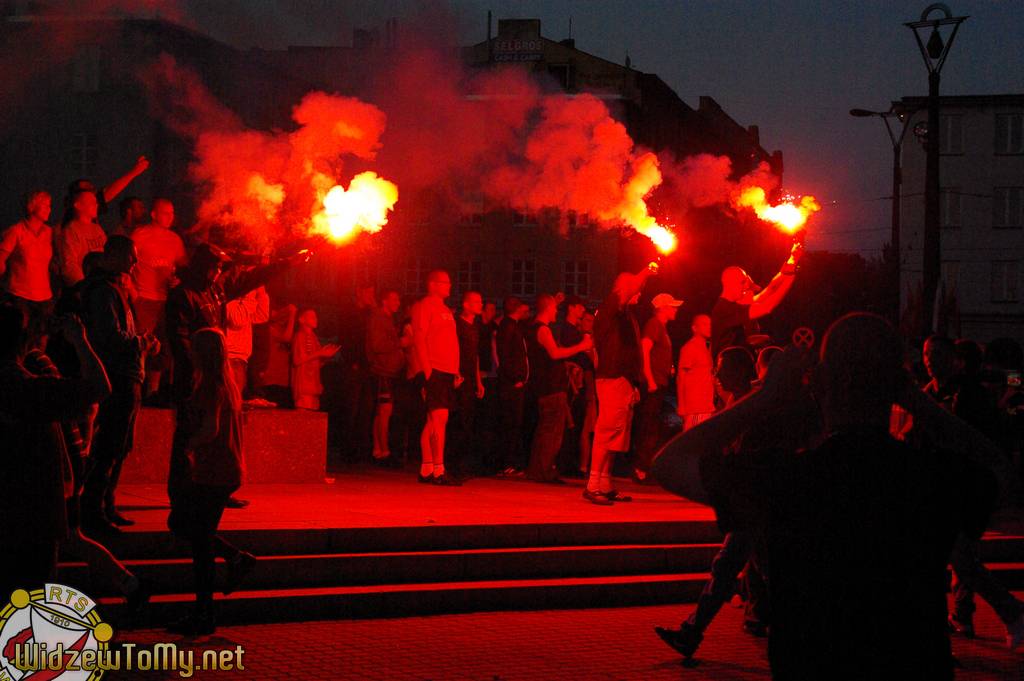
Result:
x=934 y=50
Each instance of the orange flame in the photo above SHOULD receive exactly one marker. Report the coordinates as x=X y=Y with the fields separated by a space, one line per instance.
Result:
x=364 y=206
x=633 y=208
x=788 y=216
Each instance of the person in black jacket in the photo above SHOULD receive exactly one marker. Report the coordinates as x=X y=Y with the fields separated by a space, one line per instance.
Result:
x=198 y=302
x=110 y=322
x=513 y=372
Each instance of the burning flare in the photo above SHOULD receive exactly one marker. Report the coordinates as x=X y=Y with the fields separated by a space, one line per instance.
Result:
x=789 y=216
x=363 y=207
x=633 y=208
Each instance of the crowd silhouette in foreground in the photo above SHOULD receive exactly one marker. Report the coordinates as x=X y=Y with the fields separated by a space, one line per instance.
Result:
x=849 y=482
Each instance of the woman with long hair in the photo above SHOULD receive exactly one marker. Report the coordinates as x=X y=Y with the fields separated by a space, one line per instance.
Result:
x=213 y=437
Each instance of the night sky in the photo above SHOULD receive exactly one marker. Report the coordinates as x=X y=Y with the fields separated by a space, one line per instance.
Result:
x=794 y=68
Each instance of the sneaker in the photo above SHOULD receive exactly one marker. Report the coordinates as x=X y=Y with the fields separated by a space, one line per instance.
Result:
x=116 y=518
x=685 y=640
x=614 y=495
x=1015 y=633
x=964 y=628
x=235 y=502
x=238 y=568
x=194 y=625
x=425 y=479
x=446 y=480
x=596 y=498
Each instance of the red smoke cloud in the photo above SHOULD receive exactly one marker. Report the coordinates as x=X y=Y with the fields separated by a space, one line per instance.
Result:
x=262 y=186
x=704 y=180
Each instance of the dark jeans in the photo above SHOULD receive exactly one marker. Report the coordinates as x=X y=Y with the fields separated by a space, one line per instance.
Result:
x=408 y=418
x=650 y=429
x=736 y=550
x=510 y=442
x=547 y=438
x=113 y=441
x=463 y=429
x=972 y=576
x=195 y=515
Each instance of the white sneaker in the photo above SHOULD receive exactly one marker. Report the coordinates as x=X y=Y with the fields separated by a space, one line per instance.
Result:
x=1015 y=633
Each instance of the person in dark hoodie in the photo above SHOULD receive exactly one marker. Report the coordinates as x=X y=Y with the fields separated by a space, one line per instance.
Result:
x=110 y=322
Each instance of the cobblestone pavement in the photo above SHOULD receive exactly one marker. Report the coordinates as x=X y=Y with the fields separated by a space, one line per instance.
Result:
x=582 y=645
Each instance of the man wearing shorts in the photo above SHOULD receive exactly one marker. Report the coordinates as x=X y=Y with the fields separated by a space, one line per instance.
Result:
x=437 y=351
x=619 y=376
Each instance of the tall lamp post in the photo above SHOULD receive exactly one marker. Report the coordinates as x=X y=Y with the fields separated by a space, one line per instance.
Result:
x=897 y=181
x=934 y=51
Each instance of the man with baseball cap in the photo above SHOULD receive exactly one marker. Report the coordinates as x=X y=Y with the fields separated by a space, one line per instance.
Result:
x=657 y=356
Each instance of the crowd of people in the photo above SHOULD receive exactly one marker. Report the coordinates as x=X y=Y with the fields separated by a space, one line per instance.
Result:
x=844 y=483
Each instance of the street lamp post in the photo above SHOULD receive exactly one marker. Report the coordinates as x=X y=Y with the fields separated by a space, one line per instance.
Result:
x=897 y=182
x=934 y=51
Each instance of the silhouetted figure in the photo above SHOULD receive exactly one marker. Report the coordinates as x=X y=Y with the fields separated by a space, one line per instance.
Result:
x=110 y=321
x=513 y=373
x=35 y=472
x=549 y=384
x=384 y=352
x=658 y=371
x=471 y=385
x=858 y=529
x=733 y=318
x=211 y=431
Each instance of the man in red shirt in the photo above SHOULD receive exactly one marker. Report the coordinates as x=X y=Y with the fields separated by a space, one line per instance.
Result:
x=695 y=384
x=437 y=351
x=25 y=252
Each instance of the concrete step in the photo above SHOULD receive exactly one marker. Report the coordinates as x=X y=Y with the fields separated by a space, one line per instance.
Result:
x=403 y=600
x=282 y=542
x=351 y=569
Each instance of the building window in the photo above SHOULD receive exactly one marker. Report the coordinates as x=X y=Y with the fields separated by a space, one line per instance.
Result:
x=951 y=134
x=1010 y=133
x=576 y=278
x=468 y=276
x=85 y=70
x=524 y=277
x=950 y=274
x=949 y=207
x=575 y=219
x=1004 y=281
x=524 y=218
x=415 y=277
x=84 y=152
x=1008 y=207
